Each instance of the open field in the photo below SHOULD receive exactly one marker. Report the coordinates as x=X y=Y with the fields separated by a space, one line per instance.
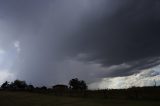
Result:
x=35 y=99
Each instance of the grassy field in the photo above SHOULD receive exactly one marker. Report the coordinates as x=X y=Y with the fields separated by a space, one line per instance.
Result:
x=35 y=99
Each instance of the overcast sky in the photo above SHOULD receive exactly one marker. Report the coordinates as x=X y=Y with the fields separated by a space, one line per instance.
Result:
x=107 y=43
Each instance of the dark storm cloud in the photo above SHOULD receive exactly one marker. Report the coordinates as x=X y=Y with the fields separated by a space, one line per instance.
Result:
x=133 y=67
x=62 y=39
x=129 y=34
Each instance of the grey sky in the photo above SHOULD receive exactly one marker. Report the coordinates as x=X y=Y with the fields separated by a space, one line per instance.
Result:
x=46 y=42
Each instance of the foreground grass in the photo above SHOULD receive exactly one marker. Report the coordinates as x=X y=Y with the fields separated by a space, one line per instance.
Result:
x=35 y=99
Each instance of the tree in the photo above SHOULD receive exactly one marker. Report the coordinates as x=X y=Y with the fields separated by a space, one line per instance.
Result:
x=83 y=85
x=5 y=85
x=17 y=84
x=77 y=84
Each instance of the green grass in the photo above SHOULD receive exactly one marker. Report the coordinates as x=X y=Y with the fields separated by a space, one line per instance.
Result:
x=35 y=99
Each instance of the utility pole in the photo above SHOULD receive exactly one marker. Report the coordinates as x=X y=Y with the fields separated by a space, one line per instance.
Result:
x=155 y=84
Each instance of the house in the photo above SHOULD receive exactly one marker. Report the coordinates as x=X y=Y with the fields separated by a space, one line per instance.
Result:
x=60 y=89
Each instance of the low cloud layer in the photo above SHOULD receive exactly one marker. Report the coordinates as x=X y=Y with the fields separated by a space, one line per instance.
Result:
x=149 y=77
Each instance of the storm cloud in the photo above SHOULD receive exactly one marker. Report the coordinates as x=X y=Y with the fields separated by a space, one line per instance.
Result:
x=51 y=41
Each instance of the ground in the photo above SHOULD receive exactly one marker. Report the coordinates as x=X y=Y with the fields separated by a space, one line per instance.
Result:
x=35 y=99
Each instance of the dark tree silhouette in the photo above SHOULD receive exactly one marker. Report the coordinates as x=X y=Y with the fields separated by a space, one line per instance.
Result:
x=5 y=85
x=83 y=85
x=17 y=84
x=77 y=84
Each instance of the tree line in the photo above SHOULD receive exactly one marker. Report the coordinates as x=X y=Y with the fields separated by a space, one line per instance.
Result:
x=74 y=84
x=78 y=88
